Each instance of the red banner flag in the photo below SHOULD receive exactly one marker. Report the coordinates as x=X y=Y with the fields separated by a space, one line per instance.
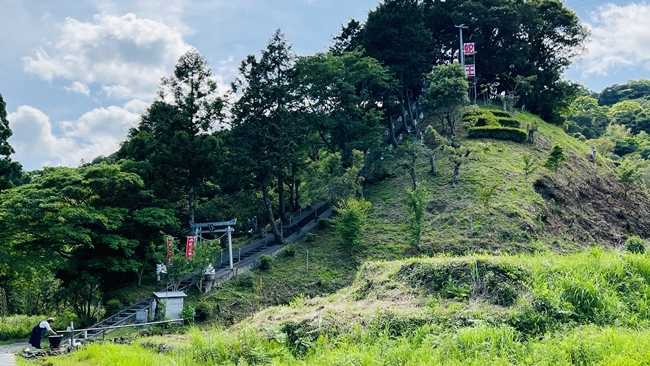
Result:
x=189 y=249
x=169 y=249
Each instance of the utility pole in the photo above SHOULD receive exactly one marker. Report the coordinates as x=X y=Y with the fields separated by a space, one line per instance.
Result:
x=460 y=50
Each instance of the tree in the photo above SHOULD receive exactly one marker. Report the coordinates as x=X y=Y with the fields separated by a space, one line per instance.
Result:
x=416 y=203
x=408 y=154
x=629 y=114
x=90 y=224
x=634 y=89
x=396 y=35
x=446 y=95
x=10 y=171
x=630 y=173
x=434 y=142
x=175 y=135
x=267 y=130
x=348 y=40
x=351 y=220
x=530 y=38
x=555 y=158
x=485 y=194
x=530 y=166
x=459 y=155
x=587 y=117
x=342 y=96
x=331 y=181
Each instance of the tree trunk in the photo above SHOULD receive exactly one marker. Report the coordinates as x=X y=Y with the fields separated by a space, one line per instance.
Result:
x=450 y=123
x=410 y=110
x=391 y=127
x=413 y=178
x=269 y=212
x=531 y=135
x=434 y=167
x=407 y=124
x=454 y=178
x=282 y=202
x=191 y=205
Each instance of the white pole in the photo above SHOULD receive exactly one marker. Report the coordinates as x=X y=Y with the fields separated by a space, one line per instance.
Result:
x=230 y=246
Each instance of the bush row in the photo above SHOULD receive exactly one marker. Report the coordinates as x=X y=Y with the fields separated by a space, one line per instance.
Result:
x=497 y=132
x=508 y=122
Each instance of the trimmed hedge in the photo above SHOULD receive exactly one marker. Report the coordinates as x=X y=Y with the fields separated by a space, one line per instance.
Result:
x=497 y=132
x=502 y=114
x=508 y=122
x=486 y=119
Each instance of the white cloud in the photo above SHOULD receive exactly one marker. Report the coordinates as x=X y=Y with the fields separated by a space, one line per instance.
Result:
x=136 y=106
x=126 y=54
x=96 y=133
x=620 y=35
x=35 y=144
x=78 y=87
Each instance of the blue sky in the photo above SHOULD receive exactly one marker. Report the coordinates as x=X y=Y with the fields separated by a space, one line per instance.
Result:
x=77 y=74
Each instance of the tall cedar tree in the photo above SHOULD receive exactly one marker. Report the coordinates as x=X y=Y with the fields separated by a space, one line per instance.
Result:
x=267 y=131
x=396 y=35
x=176 y=137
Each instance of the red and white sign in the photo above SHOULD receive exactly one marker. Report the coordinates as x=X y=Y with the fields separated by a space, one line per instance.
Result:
x=468 y=48
x=189 y=249
x=470 y=70
x=169 y=249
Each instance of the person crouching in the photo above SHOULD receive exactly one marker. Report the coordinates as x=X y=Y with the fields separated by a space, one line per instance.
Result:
x=39 y=331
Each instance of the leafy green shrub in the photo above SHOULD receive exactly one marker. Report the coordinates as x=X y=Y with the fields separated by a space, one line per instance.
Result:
x=508 y=122
x=634 y=244
x=244 y=282
x=17 y=326
x=187 y=312
x=506 y=294
x=501 y=114
x=499 y=133
x=478 y=117
x=113 y=306
x=310 y=237
x=416 y=203
x=204 y=311
x=266 y=262
x=351 y=219
x=290 y=251
x=486 y=120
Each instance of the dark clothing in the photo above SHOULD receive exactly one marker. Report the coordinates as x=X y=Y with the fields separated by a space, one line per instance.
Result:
x=37 y=334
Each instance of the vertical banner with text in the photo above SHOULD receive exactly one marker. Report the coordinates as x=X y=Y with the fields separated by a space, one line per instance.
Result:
x=169 y=249
x=470 y=70
x=468 y=48
x=189 y=249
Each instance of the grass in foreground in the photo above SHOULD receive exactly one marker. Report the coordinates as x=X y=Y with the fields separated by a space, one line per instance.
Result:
x=589 y=308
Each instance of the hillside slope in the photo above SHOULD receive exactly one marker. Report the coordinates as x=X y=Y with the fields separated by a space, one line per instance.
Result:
x=585 y=207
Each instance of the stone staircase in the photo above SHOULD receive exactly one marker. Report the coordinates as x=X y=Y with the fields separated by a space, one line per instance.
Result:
x=246 y=255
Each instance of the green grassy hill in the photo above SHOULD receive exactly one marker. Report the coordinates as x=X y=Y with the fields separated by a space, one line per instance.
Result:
x=535 y=275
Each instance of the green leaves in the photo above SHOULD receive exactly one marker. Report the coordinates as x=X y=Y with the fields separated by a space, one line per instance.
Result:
x=351 y=219
x=96 y=219
x=556 y=157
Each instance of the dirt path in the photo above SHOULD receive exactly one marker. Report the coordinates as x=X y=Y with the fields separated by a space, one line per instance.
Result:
x=7 y=353
x=7 y=359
